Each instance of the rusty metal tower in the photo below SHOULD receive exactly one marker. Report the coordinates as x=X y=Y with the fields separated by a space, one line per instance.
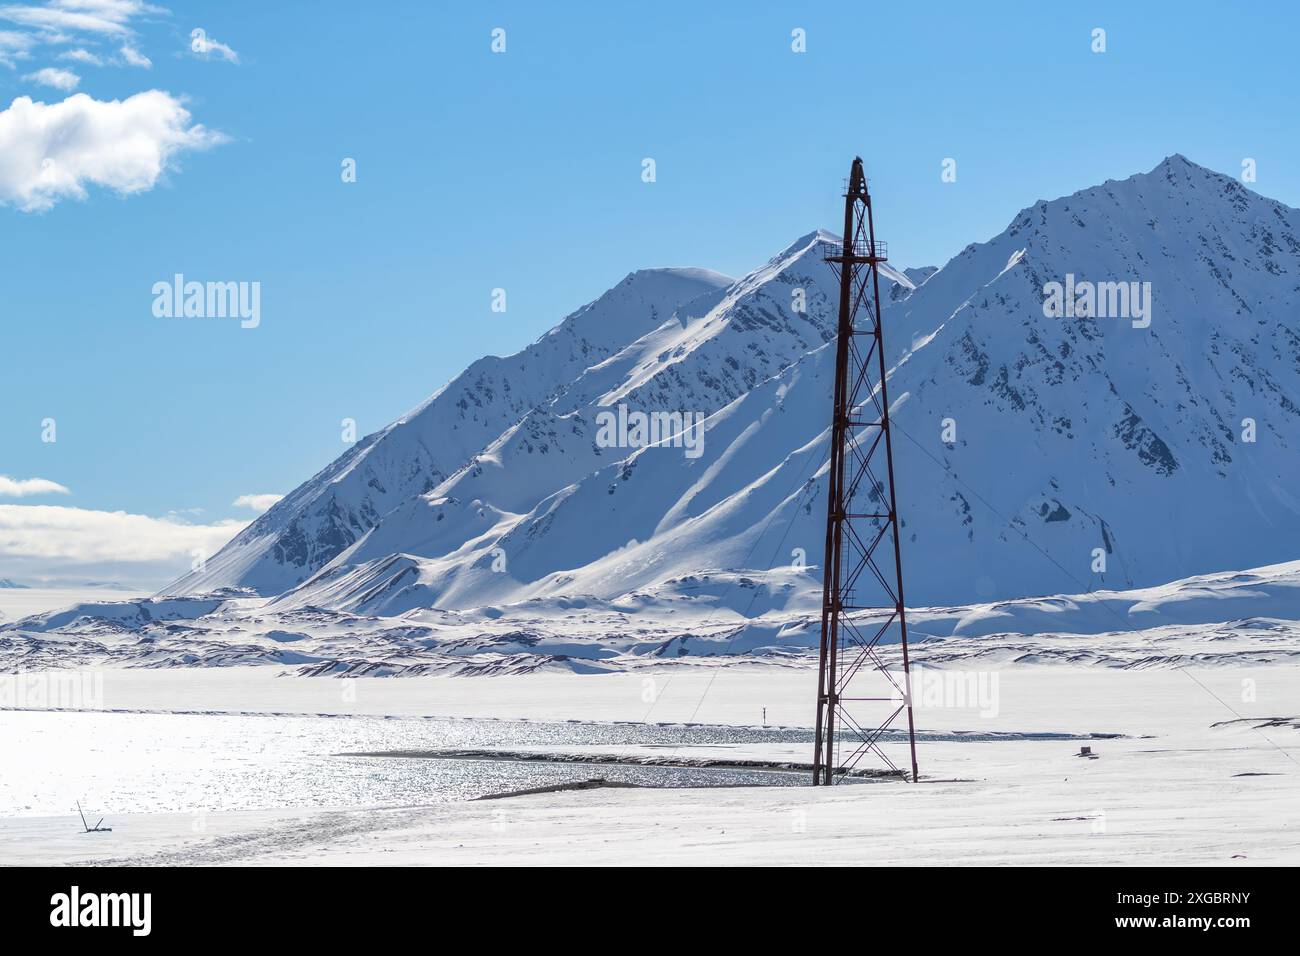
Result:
x=858 y=698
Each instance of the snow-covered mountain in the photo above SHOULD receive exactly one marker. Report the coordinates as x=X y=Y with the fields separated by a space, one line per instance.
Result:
x=1072 y=433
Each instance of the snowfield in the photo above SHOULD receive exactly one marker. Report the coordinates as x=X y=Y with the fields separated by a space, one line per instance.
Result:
x=1187 y=694
x=188 y=725
x=1197 y=776
x=1228 y=619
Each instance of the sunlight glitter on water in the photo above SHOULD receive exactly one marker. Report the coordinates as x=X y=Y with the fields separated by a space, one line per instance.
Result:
x=195 y=763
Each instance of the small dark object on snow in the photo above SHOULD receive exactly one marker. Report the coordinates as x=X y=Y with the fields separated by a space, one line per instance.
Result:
x=96 y=828
x=1087 y=752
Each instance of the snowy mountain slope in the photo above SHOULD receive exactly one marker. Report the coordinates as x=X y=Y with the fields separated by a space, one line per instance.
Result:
x=610 y=531
x=566 y=514
x=327 y=513
x=1072 y=433
x=1091 y=433
x=526 y=417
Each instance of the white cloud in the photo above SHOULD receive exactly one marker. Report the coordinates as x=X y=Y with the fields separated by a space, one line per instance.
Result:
x=79 y=23
x=73 y=545
x=60 y=79
x=15 y=46
x=258 y=503
x=58 y=535
x=22 y=487
x=208 y=47
x=51 y=152
x=107 y=17
x=134 y=57
x=129 y=55
x=80 y=55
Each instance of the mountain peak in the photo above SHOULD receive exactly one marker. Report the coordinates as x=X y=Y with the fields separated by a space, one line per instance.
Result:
x=1165 y=191
x=1176 y=172
x=707 y=277
x=804 y=242
x=1176 y=165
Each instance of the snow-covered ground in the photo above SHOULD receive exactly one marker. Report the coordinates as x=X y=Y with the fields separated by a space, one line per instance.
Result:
x=1230 y=618
x=1203 y=771
x=1189 y=694
x=17 y=603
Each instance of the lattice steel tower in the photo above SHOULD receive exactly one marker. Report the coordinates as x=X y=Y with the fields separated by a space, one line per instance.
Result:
x=858 y=699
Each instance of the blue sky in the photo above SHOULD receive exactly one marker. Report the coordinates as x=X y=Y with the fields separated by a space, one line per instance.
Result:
x=519 y=170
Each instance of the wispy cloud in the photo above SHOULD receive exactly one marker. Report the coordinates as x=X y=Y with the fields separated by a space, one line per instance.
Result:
x=104 y=17
x=14 y=46
x=258 y=503
x=83 y=23
x=53 y=76
x=80 y=55
x=128 y=55
x=133 y=57
x=52 y=151
x=22 y=487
